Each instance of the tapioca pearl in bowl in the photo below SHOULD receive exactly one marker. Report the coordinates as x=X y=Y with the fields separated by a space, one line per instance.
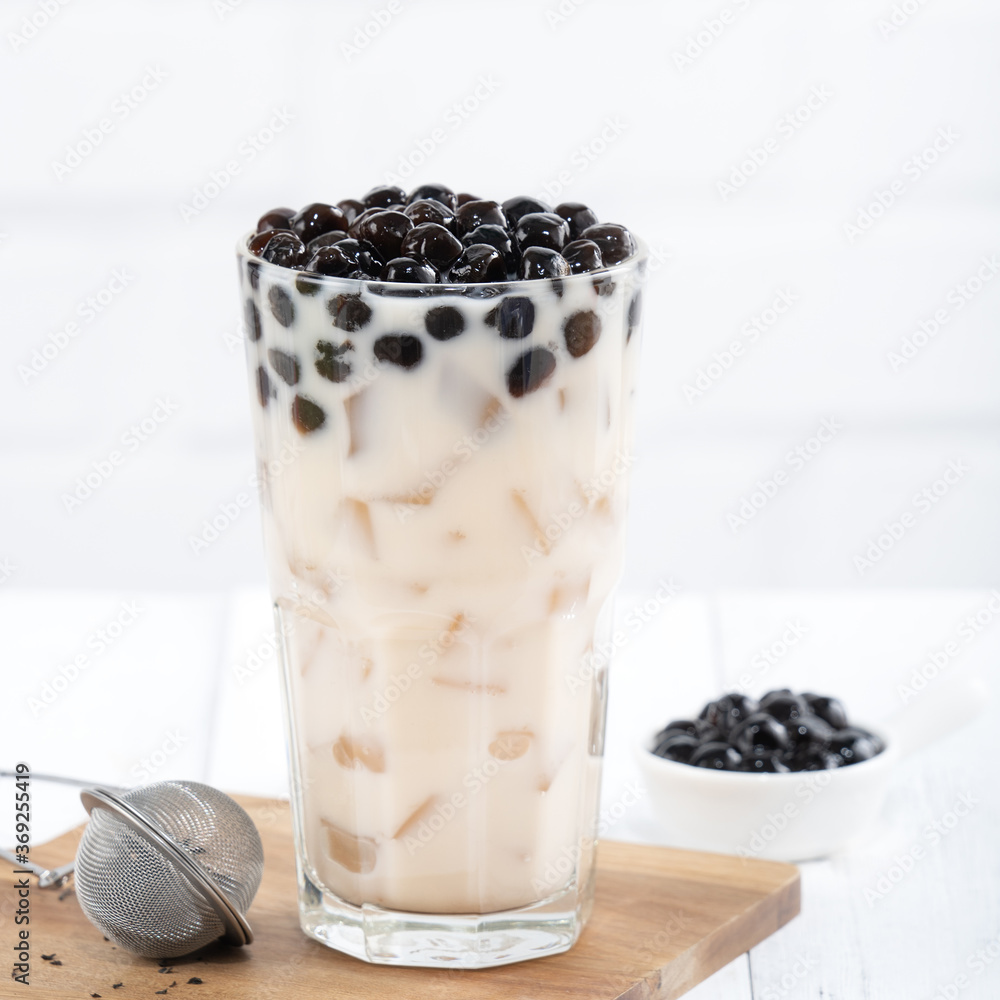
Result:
x=350 y=312
x=444 y=322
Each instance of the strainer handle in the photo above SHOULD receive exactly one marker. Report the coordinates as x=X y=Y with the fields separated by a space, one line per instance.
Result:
x=47 y=877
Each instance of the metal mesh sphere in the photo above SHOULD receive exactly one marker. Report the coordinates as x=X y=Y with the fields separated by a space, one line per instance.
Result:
x=138 y=896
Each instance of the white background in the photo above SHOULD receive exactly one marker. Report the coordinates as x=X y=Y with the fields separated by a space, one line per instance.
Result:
x=680 y=131
x=554 y=83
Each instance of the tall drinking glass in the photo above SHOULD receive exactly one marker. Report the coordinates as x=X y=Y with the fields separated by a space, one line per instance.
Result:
x=443 y=476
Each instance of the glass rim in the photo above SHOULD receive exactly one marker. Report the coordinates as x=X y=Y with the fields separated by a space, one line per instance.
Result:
x=637 y=262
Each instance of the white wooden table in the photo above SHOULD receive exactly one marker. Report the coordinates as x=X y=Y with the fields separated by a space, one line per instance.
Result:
x=185 y=686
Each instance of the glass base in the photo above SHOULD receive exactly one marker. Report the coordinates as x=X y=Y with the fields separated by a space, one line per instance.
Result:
x=439 y=940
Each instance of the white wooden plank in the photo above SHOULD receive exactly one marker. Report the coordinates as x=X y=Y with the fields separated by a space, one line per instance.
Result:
x=661 y=670
x=731 y=982
x=248 y=747
x=131 y=681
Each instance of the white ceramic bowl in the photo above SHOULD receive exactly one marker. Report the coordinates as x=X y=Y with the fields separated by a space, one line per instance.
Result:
x=792 y=816
x=798 y=815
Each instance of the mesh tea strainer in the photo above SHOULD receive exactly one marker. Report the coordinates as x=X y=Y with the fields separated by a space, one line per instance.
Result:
x=167 y=868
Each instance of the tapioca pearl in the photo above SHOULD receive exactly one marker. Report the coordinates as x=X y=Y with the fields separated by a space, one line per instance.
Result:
x=281 y=305
x=383 y=232
x=402 y=349
x=604 y=285
x=351 y=208
x=259 y=241
x=497 y=237
x=430 y=211
x=277 y=218
x=634 y=315
x=531 y=371
x=307 y=415
x=326 y=240
x=307 y=284
x=541 y=262
x=479 y=213
x=433 y=243
x=444 y=322
x=583 y=256
x=478 y=263
x=253 y=273
x=581 y=331
x=578 y=215
x=616 y=242
x=285 y=365
x=463 y=198
x=541 y=229
x=317 y=218
x=263 y=383
x=383 y=196
x=282 y=248
x=515 y=317
x=434 y=192
x=354 y=229
x=409 y=269
x=349 y=312
x=333 y=361
x=520 y=205
x=252 y=316
x=343 y=259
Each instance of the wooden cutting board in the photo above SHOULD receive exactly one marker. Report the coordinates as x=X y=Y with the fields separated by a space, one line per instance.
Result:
x=663 y=921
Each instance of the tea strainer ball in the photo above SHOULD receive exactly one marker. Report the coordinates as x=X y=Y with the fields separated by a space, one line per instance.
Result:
x=167 y=868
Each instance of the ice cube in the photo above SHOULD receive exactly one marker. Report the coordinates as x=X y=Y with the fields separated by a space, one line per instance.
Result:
x=416 y=817
x=511 y=744
x=354 y=753
x=356 y=854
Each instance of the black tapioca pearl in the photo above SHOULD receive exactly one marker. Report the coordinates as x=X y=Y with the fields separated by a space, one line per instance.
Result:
x=326 y=240
x=515 y=317
x=531 y=371
x=285 y=365
x=432 y=242
x=444 y=322
x=281 y=305
x=478 y=263
x=401 y=349
x=497 y=237
x=583 y=256
x=351 y=208
x=478 y=213
x=463 y=198
x=349 y=312
x=259 y=242
x=434 y=192
x=409 y=269
x=252 y=316
x=616 y=242
x=634 y=315
x=541 y=229
x=253 y=273
x=490 y=319
x=426 y=210
x=344 y=258
x=332 y=361
x=542 y=262
x=307 y=284
x=307 y=415
x=383 y=232
x=581 y=331
x=604 y=285
x=578 y=216
x=281 y=248
x=383 y=196
x=264 y=390
x=277 y=218
x=317 y=218
x=514 y=208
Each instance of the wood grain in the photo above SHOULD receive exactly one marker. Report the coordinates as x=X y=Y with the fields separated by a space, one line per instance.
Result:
x=663 y=921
